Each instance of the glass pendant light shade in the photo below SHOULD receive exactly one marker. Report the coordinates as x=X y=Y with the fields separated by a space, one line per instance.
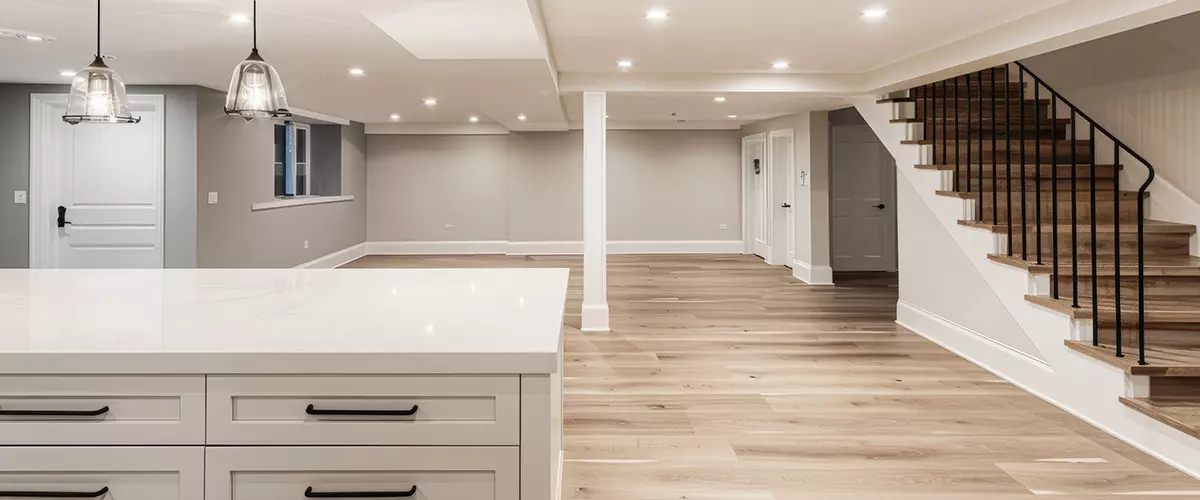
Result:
x=97 y=92
x=255 y=91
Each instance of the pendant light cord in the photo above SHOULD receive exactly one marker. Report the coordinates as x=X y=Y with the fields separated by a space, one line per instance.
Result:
x=98 y=29
x=253 y=15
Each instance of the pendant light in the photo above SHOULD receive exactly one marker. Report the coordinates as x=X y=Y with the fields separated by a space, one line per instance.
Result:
x=255 y=90
x=97 y=92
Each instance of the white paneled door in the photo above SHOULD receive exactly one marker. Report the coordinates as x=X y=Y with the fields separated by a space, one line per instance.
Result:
x=783 y=181
x=864 y=212
x=757 y=198
x=97 y=189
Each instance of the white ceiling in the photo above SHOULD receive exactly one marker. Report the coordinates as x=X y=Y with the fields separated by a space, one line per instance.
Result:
x=747 y=36
x=498 y=59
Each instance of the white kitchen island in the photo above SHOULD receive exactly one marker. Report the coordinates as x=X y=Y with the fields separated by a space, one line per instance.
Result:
x=437 y=384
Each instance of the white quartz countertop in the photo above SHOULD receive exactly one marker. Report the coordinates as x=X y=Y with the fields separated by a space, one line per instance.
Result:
x=226 y=321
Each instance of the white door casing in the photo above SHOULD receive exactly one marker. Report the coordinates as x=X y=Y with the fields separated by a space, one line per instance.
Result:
x=864 y=235
x=757 y=215
x=110 y=180
x=781 y=158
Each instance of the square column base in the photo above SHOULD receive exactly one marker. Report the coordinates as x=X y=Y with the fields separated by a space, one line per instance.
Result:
x=594 y=318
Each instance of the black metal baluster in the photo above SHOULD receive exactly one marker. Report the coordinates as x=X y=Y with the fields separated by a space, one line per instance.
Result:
x=1117 y=244
x=1024 y=193
x=945 y=131
x=1141 y=255
x=1037 y=165
x=1074 y=214
x=1095 y=272
x=968 y=138
x=1054 y=286
x=995 y=157
x=979 y=207
x=957 y=139
x=933 y=131
x=1008 y=157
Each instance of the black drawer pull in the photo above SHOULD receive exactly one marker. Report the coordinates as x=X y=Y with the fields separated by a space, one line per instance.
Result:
x=55 y=494
x=53 y=413
x=373 y=413
x=309 y=493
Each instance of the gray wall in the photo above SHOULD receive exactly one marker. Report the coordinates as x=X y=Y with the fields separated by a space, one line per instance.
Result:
x=327 y=160
x=179 y=191
x=662 y=185
x=235 y=158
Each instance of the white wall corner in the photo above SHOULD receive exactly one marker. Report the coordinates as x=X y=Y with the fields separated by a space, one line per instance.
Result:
x=337 y=259
x=812 y=275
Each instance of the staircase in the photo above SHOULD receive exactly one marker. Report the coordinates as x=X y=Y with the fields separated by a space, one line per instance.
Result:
x=1046 y=178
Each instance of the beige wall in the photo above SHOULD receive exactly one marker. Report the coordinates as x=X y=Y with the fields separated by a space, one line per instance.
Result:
x=1143 y=86
x=422 y=183
x=234 y=158
x=662 y=185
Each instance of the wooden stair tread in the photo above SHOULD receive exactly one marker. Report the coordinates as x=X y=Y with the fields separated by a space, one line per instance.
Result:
x=1063 y=144
x=1156 y=266
x=1102 y=194
x=1045 y=122
x=1173 y=315
x=1181 y=414
x=1016 y=167
x=1162 y=362
x=1149 y=226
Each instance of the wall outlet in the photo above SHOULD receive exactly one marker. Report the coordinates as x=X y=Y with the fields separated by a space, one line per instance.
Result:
x=306 y=244
x=20 y=197
x=723 y=227
x=449 y=227
x=212 y=197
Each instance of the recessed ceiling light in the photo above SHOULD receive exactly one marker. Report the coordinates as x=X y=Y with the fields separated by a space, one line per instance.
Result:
x=877 y=13
x=66 y=72
x=429 y=101
x=522 y=117
x=718 y=99
x=357 y=71
x=34 y=38
x=395 y=117
x=625 y=64
x=781 y=65
x=656 y=15
x=239 y=18
x=474 y=119
x=732 y=116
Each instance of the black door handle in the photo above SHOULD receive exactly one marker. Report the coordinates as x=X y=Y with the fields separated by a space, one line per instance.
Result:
x=373 y=413
x=787 y=205
x=62 y=216
x=309 y=493
x=53 y=413
x=881 y=206
x=55 y=494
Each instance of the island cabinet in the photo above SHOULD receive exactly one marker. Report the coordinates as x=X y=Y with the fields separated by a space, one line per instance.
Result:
x=372 y=412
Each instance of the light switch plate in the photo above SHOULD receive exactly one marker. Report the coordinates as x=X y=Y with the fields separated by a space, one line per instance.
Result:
x=20 y=197
x=212 y=197
x=722 y=227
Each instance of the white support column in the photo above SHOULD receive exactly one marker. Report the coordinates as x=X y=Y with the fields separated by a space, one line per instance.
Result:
x=595 y=212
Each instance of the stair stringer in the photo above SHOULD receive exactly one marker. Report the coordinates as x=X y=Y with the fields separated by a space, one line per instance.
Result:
x=1079 y=384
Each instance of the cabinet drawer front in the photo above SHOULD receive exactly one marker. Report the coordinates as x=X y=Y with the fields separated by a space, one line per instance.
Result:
x=124 y=473
x=426 y=473
x=351 y=410
x=101 y=410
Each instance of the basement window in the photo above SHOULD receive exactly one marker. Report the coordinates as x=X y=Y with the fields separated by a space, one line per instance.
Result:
x=293 y=167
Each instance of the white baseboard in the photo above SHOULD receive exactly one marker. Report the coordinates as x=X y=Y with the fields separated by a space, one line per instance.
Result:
x=813 y=275
x=550 y=247
x=594 y=318
x=435 y=247
x=955 y=338
x=336 y=259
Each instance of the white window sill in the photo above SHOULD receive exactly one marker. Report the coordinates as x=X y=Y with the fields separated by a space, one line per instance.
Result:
x=300 y=201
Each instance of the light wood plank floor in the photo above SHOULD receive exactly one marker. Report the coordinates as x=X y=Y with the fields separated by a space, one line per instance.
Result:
x=726 y=379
